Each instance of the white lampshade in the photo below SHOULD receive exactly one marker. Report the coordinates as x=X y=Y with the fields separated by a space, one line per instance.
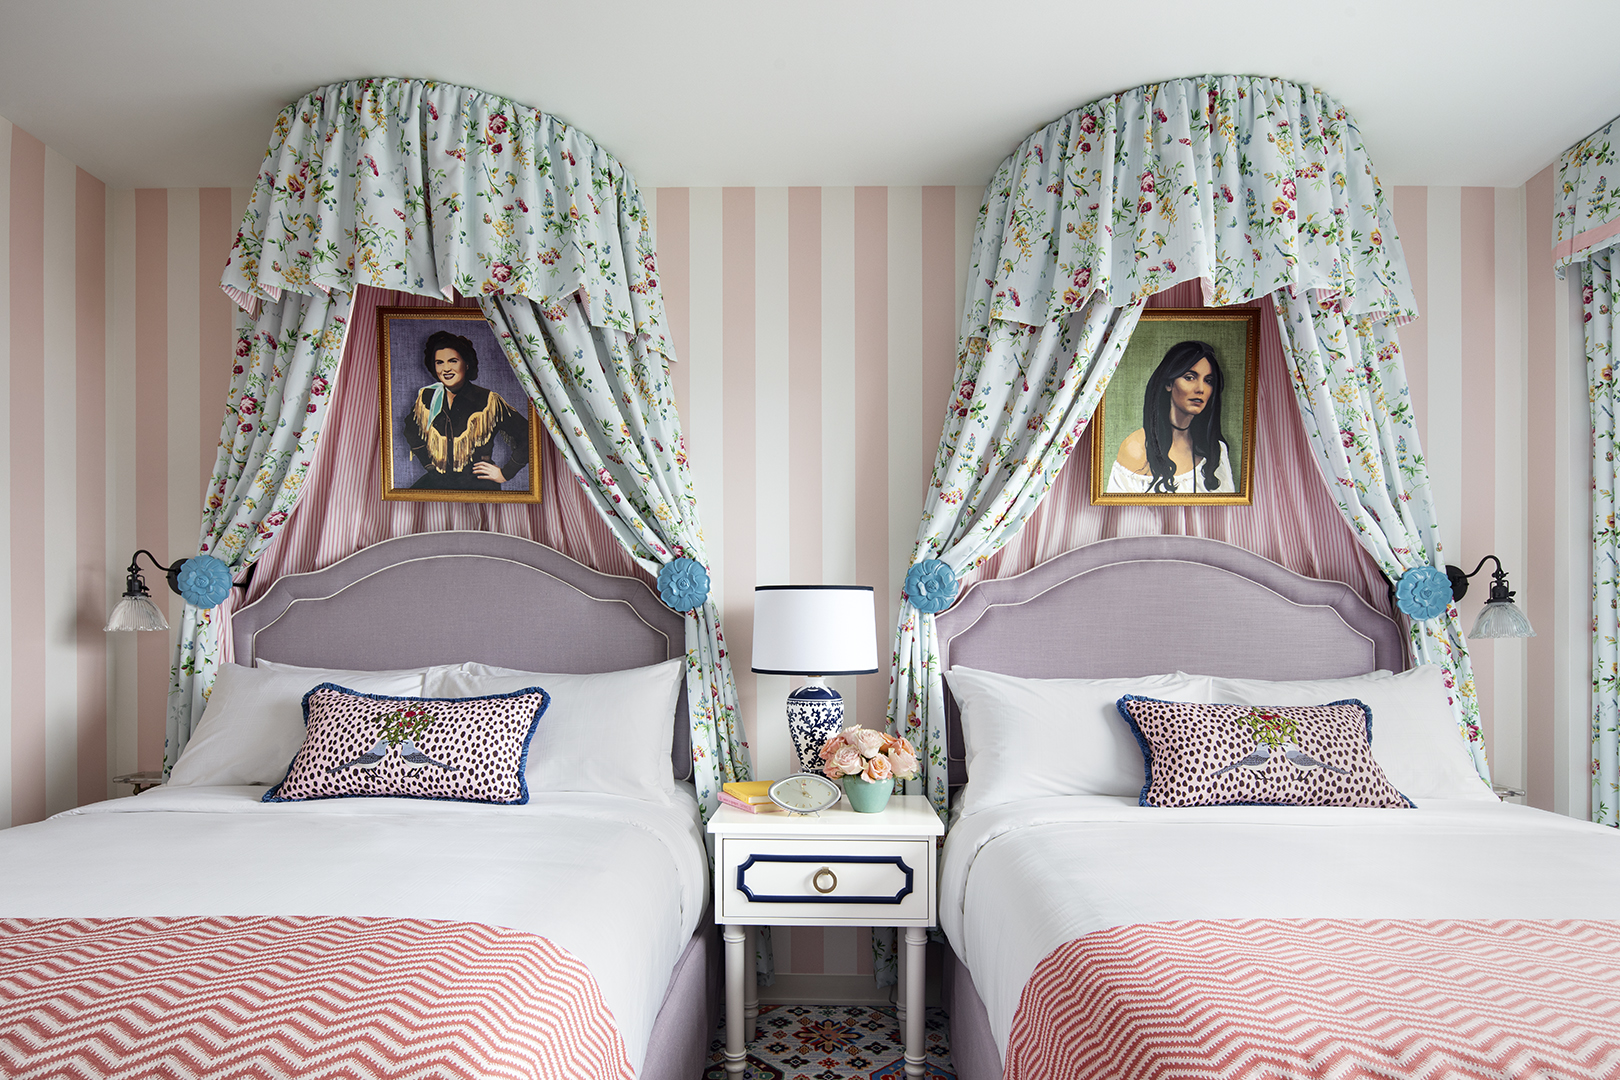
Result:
x=814 y=630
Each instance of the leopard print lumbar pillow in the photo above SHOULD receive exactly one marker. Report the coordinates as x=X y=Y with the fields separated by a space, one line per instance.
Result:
x=1225 y=755
x=467 y=749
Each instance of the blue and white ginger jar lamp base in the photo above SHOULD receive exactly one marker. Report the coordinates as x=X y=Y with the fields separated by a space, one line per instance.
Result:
x=815 y=713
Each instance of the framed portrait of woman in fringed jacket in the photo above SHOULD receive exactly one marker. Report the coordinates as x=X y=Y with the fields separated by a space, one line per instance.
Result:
x=1175 y=426
x=457 y=426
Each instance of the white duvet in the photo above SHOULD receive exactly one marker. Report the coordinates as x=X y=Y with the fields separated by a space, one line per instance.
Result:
x=620 y=883
x=1021 y=879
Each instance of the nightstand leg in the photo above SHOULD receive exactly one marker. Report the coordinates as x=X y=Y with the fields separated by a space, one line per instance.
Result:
x=751 y=987
x=915 y=982
x=900 y=979
x=738 y=963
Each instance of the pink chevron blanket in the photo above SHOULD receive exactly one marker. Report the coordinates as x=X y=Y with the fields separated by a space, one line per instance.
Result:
x=1320 y=998
x=310 y=997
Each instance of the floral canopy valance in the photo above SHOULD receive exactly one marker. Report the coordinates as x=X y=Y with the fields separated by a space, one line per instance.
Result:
x=434 y=188
x=1249 y=184
x=1586 y=212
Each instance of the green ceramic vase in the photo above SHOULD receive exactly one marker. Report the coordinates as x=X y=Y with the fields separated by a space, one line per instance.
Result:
x=868 y=796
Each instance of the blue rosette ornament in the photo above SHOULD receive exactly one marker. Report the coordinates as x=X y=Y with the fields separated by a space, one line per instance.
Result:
x=683 y=584
x=1423 y=592
x=204 y=581
x=931 y=586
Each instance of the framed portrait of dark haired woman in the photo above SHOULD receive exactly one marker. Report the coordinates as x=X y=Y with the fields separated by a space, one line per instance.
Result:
x=1175 y=426
x=457 y=426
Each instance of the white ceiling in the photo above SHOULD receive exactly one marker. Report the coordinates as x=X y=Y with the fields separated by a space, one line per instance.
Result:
x=181 y=93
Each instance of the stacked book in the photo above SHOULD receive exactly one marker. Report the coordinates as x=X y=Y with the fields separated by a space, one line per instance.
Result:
x=749 y=796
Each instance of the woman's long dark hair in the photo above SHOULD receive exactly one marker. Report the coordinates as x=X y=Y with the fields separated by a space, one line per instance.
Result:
x=1205 y=430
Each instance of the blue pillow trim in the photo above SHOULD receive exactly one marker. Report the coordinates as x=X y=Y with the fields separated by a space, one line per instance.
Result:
x=270 y=796
x=1147 y=751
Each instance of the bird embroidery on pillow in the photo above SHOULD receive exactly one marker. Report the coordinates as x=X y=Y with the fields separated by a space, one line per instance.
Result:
x=400 y=730
x=1275 y=736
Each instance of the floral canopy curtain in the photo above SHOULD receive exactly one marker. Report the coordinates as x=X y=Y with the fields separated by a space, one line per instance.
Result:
x=437 y=189
x=1586 y=229
x=1249 y=185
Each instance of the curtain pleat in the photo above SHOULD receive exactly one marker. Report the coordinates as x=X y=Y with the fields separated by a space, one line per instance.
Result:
x=1600 y=292
x=286 y=364
x=1351 y=389
x=609 y=407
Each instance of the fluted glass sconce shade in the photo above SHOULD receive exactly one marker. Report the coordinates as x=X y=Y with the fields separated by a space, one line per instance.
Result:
x=1500 y=617
x=136 y=613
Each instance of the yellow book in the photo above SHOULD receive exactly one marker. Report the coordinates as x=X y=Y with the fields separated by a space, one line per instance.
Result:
x=749 y=791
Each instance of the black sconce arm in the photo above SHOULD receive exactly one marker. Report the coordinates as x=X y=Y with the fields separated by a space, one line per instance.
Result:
x=1499 y=587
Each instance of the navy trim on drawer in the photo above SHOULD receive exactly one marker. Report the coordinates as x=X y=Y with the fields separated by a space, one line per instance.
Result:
x=817 y=898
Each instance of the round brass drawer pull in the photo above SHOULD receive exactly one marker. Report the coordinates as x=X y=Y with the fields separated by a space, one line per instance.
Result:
x=832 y=879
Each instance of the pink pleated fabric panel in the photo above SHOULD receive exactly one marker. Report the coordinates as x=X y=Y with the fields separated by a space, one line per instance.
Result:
x=1293 y=521
x=342 y=510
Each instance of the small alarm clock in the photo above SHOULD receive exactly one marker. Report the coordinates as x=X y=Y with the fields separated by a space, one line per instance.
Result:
x=805 y=793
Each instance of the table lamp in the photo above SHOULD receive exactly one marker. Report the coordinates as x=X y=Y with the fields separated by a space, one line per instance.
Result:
x=816 y=631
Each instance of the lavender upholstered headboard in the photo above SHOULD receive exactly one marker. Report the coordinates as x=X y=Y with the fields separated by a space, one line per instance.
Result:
x=449 y=597
x=1143 y=605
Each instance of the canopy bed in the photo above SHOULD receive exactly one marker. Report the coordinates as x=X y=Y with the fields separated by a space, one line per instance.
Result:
x=585 y=913
x=1091 y=935
x=1092 y=925
x=537 y=955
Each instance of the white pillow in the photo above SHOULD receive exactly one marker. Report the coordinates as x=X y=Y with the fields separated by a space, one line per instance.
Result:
x=254 y=722
x=1415 y=739
x=609 y=732
x=1031 y=738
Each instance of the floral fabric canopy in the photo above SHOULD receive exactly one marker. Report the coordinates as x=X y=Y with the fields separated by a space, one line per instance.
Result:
x=433 y=188
x=1586 y=199
x=1249 y=184
x=1253 y=186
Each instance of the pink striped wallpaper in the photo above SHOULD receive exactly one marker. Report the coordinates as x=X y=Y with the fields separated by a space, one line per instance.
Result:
x=816 y=328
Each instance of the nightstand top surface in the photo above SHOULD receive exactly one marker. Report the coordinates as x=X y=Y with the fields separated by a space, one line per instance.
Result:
x=905 y=816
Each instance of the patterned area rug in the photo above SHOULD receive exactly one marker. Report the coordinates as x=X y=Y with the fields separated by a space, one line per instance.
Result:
x=833 y=1042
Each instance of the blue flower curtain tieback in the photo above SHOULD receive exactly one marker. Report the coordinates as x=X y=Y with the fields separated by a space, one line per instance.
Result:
x=1423 y=592
x=930 y=586
x=204 y=581
x=683 y=584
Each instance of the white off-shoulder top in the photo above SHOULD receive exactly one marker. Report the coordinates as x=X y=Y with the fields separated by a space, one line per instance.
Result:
x=1121 y=481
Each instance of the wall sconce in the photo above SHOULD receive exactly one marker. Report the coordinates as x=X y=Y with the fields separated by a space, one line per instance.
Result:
x=1500 y=617
x=202 y=580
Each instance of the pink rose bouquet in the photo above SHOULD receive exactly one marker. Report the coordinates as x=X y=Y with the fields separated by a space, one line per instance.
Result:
x=870 y=754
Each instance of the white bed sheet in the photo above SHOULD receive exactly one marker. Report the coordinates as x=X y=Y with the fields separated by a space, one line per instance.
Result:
x=618 y=882
x=1021 y=879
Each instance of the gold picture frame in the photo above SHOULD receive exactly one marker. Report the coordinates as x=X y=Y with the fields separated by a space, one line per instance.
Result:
x=1127 y=431
x=446 y=445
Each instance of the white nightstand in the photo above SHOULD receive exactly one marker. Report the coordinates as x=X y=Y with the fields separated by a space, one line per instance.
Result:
x=837 y=868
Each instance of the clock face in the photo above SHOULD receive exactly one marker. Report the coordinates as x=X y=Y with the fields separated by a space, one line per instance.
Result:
x=805 y=793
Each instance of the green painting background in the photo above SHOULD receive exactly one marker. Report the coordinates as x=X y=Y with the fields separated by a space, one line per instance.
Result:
x=1122 y=402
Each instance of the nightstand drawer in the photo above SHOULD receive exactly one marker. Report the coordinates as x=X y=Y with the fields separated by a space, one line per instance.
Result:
x=865 y=882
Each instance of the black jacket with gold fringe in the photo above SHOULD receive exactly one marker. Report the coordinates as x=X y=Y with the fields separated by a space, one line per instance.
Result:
x=463 y=435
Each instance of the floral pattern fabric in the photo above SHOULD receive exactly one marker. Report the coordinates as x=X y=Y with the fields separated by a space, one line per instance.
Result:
x=609 y=405
x=281 y=388
x=1353 y=400
x=1586 y=199
x=438 y=189
x=1248 y=184
x=1600 y=294
x=1023 y=399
